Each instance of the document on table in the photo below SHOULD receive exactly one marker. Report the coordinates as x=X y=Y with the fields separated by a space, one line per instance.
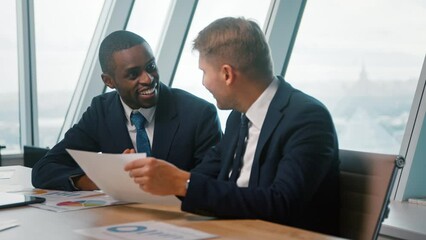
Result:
x=6 y=174
x=63 y=201
x=9 y=223
x=147 y=230
x=15 y=178
x=107 y=172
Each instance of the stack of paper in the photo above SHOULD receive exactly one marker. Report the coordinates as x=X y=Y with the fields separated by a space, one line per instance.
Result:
x=6 y=224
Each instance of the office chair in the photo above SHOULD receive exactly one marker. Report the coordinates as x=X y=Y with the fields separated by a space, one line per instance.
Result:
x=32 y=154
x=1 y=147
x=366 y=181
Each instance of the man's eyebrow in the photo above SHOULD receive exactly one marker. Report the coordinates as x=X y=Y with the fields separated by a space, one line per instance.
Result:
x=131 y=69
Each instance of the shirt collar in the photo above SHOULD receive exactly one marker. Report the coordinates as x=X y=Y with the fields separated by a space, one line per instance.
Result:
x=148 y=113
x=257 y=111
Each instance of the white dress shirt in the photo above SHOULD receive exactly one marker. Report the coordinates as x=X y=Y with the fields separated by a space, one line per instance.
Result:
x=256 y=115
x=149 y=114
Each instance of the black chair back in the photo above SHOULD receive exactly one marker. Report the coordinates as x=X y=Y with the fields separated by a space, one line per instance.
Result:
x=33 y=154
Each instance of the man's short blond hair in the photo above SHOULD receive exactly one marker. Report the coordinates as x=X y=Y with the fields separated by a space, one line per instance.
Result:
x=237 y=42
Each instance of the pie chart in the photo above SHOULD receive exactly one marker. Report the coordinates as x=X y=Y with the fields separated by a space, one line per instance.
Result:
x=82 y=203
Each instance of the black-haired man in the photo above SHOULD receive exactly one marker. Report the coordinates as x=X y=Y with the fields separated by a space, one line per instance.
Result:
x=180 y=127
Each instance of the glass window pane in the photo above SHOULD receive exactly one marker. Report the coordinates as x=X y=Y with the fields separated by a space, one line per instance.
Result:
x=63 y=32
x=147 y=20
x=188 y=76
x=363 y=60
x=9 y=95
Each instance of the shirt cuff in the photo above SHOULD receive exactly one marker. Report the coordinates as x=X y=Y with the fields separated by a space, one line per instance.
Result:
x=72 y=180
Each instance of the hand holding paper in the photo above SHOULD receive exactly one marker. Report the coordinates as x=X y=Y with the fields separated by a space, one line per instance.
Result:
x=85 y=183
x=107 y=172
x=158 y=177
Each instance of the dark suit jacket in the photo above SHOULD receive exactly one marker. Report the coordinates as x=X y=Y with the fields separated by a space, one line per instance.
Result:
x=185 y=128
x=294 y=177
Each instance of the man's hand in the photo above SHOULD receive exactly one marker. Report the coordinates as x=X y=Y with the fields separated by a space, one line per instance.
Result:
x=129 y=150
x=158 y=177
x=84 y=183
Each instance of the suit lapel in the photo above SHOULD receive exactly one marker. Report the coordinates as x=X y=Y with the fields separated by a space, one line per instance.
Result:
x=166 y=123
x=116 y=122
x=273 y=117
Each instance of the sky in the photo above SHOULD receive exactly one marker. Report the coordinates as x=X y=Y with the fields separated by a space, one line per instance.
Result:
x=336 y=38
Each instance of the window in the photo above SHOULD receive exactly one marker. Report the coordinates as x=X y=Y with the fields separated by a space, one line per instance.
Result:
x=9 y=100
x=188 y=76
x=147 y=20
x=362 y=59
x=63 y=32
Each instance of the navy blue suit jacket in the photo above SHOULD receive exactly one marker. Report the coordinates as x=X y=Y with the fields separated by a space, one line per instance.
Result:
x=294 y=177
x=185 y=128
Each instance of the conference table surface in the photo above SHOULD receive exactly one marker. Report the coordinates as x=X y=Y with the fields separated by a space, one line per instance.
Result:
x=35 y=223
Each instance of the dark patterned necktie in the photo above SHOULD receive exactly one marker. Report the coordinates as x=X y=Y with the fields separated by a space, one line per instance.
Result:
x=142 y=140
x=239 y=152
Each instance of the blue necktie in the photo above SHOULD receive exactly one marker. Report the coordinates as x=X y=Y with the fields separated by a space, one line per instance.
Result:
x=142 y=140
x=239 y=152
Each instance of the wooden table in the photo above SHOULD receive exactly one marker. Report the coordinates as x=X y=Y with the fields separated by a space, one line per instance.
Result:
x=37 y=223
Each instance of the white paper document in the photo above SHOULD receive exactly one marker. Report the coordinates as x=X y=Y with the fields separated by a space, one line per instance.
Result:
x=63 y=201
x=107 y=172
x=148 y=230
x=6 y=173
x=15 y=178
x=6 y=224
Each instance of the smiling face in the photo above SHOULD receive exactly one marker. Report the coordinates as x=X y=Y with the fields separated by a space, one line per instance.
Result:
x=214 y=80
x=135 y=76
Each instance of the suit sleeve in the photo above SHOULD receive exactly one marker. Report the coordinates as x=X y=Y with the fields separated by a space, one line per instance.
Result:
x=54 y=170
x=299 y=159
x=207 y=135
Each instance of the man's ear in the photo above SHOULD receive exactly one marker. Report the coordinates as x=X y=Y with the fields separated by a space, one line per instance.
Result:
x=228 y=74
x=108 y=80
